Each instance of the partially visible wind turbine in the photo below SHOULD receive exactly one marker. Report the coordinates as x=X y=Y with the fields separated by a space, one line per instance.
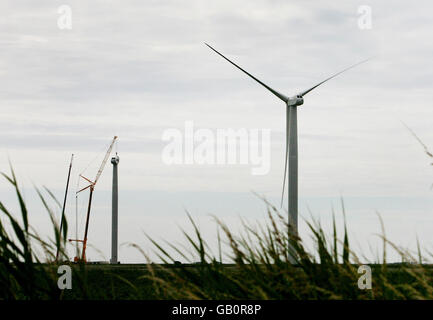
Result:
x=291 y=160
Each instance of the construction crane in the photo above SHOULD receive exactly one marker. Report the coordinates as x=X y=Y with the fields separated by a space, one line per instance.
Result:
x=91 y=186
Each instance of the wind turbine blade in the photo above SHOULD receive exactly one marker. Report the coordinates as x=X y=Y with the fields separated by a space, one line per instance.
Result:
x=279 y=95
x=333 y=76
x=287 y=154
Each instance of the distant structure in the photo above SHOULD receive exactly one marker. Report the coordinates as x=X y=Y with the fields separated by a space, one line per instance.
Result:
x=91 y=187
x=114 y=211
x=62 y=219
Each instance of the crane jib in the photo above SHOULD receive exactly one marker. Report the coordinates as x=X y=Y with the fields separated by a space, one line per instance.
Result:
x=104 y=162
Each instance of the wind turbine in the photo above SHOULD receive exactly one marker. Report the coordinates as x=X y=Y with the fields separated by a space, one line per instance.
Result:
x=291 y=160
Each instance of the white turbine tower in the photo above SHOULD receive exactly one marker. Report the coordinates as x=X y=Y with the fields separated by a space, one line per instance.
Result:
x=291 y=161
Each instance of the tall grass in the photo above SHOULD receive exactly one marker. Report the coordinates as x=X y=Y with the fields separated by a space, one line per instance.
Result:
x=21 y=276
x=27 y=262
x=264 y=262
x=261 y=267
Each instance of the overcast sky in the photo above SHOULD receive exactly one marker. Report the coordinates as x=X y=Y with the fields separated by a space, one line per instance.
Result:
x=137 y=68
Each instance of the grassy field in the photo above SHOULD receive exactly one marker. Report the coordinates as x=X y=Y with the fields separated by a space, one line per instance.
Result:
x=266 y=263
x=134 y=281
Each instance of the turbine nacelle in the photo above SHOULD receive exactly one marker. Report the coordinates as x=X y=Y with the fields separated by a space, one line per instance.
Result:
x=295 y=101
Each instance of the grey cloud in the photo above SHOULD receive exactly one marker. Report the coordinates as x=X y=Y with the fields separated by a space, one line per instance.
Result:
x=136 y=68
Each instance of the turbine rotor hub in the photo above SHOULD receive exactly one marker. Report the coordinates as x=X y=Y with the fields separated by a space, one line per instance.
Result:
x=295 y=101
